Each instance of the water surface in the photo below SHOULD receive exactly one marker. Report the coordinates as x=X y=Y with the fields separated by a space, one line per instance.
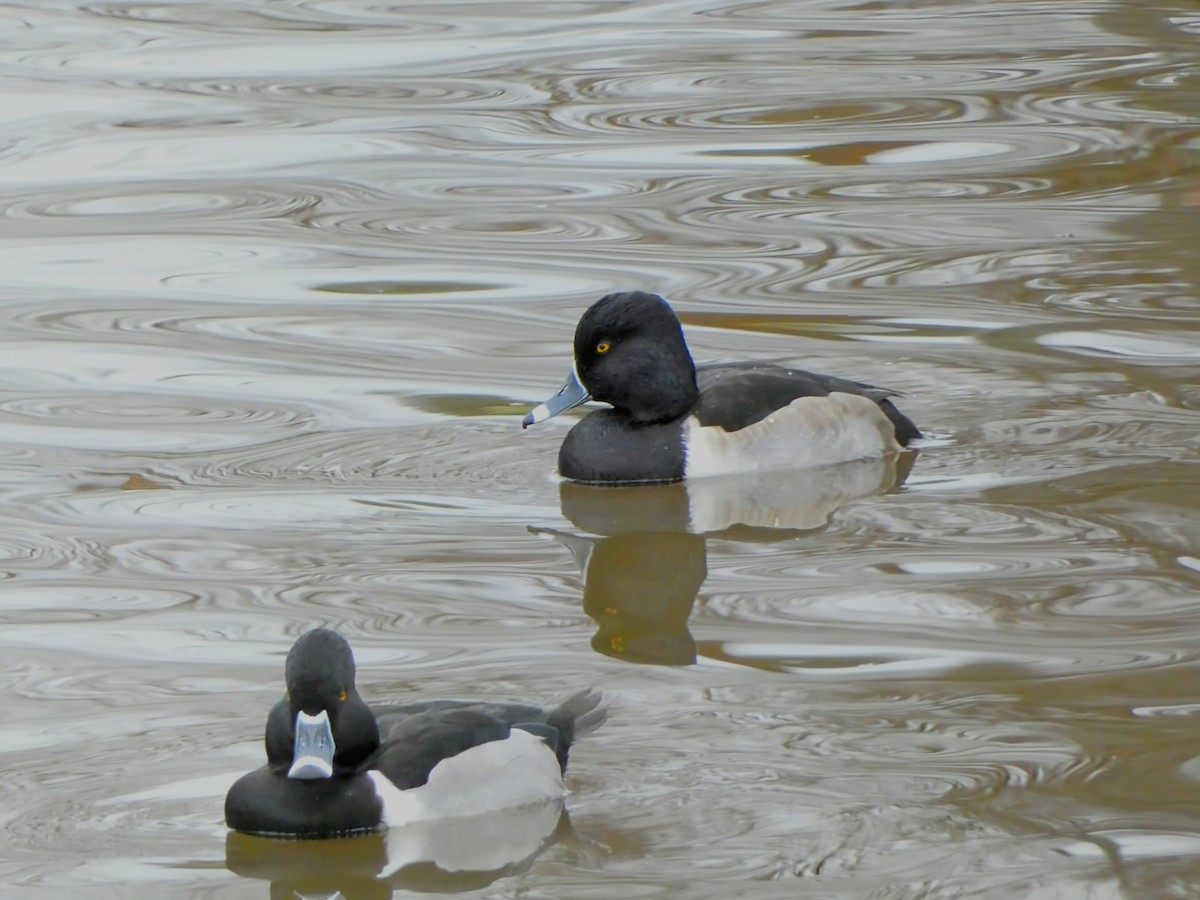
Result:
x=282 y=278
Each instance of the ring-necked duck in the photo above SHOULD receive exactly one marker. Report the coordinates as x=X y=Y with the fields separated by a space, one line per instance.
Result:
x=336 y=766
x=670 y=420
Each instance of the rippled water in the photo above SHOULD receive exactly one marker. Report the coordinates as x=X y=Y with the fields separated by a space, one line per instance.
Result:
x=282 y=277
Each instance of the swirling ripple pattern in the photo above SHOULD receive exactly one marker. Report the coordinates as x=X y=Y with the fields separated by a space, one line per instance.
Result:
x=281 y=278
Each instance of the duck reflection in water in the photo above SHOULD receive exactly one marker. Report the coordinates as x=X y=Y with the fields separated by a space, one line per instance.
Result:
x=440 y=856
x=643 y=554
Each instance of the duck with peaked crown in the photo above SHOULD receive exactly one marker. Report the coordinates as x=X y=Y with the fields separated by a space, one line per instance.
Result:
x=671 y=420
x=336 y=766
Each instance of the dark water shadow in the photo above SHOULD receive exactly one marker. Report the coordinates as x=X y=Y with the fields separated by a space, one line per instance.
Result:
x=445 y=856
x=643 y=552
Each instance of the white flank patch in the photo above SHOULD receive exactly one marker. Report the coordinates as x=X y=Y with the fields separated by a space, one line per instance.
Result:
x=518 y=770
x=808 y=432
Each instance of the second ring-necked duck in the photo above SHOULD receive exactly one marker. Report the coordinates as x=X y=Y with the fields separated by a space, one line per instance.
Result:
x=336 y=766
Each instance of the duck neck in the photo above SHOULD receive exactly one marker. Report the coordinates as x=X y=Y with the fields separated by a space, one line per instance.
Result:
x=663 y=390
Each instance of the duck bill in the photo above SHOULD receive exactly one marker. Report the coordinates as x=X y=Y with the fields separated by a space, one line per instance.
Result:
x=314 y=747
x=569 y=396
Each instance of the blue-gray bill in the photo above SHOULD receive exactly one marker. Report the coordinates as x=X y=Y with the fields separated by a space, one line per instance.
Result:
x=570 y=395
x=313 y=757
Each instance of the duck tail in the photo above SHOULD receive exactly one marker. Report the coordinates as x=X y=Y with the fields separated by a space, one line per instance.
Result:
x=906 y=430
x=579 y=714
x=574 y=717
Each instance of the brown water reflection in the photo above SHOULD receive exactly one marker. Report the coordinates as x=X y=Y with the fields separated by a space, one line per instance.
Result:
x=303 y=266
x=643 y=571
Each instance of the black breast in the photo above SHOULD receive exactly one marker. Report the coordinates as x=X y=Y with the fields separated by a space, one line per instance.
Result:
x=607 y=447
x=269 y=803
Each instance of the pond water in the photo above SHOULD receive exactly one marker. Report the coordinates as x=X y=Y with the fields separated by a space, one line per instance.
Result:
x=282 y=278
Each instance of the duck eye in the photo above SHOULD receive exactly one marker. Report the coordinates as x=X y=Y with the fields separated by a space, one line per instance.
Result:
x=343 y=696
x=603 y=347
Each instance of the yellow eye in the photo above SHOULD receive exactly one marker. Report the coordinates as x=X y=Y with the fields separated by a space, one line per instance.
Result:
x=603 y=347
x=288 y=696
x=343 y=696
